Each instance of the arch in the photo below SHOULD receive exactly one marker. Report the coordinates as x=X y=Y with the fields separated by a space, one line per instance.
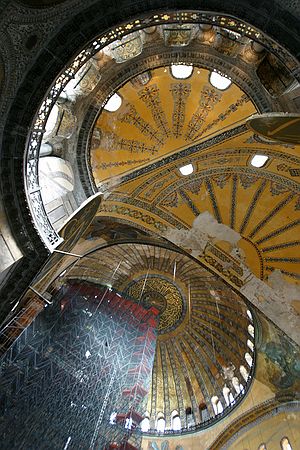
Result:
x=188 y=411
x=252 y=417
x=203 y=410
x=262 y=447
x=219 y=81
x=217 y=405
x=231 y=399
x=181 y=71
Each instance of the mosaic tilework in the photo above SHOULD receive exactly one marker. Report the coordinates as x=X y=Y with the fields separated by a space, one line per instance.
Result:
x=208 y=99
x=180 y=92
x=150 y=96
x=132 y=117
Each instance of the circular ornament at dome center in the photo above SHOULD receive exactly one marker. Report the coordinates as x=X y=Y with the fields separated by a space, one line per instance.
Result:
x=162 y=294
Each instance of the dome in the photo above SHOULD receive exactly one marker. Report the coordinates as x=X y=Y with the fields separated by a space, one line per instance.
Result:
x=202 y=333
x=165 y=297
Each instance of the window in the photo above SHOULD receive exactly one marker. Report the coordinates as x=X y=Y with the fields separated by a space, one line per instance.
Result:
x=52 y=120
x=181 y=71
x=250 y=345
x=145 y=425
x=249 y=359
x=217 y=405
x=244 y=372
x=226 y=392
x=251 y=330
x=262 y=447
x=203 y=412
x=219 y=81
x=186 y=170
x=249 y=314
x=258 y=160
x=114 y=103
x=160 y=423
x=285 y=444
x=175 y=421
x=236 y=384
x=188 y=411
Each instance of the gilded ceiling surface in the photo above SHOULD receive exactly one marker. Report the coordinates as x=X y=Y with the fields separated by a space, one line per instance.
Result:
x=262 y=205
x=197 y=352
x=164 y=124
x=160 y=118
x=168 y=123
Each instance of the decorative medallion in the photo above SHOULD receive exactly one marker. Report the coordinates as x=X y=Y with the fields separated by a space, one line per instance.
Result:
x=162 y=294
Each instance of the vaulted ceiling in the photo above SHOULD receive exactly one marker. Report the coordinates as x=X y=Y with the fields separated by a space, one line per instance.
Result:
x=203 y=329
x=170 y=123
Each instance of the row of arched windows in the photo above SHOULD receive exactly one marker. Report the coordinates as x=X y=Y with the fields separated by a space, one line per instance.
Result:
x=228 y=395
x=178 y=71
x=284 y=444
x=161 y=422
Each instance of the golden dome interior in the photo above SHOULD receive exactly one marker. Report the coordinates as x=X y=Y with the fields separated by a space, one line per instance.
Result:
x=200 y=341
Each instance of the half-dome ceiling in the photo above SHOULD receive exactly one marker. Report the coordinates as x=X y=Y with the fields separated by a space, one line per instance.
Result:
x=160 y=115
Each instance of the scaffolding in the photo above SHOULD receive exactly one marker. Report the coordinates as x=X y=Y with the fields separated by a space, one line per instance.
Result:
x=82 y=374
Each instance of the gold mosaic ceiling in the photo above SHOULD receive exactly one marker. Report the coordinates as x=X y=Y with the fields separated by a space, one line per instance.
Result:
x=169 y=123
x=160 y=118
x=195 y=345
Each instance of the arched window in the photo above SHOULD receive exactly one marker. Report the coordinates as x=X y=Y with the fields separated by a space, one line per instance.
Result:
x=217 y=405
x=249 y=359
x=114 y=103
x=236 y=384
x=160 y=423
x=145 y=423
x=214 y=401
x=219 y=81
x=231 y=399
x=244 y=372
x=226 y=392
x=188 y=411
x=250 y=345
x=285 y=444
x=249 y=314
x=262 y=447
x=175 y=421
x=203 y=411
x=52 y=120
x=251 y=330
x=181 y=71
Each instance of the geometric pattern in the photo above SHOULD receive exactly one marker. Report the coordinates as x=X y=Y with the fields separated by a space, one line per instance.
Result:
x=87 y=356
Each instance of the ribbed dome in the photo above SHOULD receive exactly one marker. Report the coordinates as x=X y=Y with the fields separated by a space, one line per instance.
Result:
x=199 y=364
